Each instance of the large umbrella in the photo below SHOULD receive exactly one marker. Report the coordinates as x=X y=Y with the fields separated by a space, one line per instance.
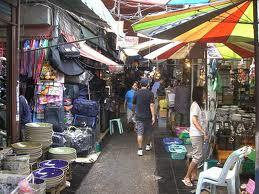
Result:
x=171 y=2
x=224 y=21
x=181 y=50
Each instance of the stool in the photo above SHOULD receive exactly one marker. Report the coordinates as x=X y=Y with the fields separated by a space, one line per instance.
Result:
x=119 y=124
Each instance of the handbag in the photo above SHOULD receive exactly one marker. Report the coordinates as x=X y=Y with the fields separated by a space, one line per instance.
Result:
x=68 y=51
x=68 y=66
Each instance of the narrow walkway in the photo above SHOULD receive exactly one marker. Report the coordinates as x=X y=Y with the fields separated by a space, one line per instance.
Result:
x=120 y=171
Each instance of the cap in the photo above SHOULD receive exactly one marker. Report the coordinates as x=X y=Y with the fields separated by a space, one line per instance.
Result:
x=144 y=82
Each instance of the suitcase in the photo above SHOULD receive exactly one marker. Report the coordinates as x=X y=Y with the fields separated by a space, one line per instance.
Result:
x=55 y=115
x=85 y=121
x=82 y=106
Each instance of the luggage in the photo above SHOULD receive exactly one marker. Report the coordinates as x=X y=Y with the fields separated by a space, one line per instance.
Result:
x=82 y=106
x=71 y=91
x=84 y=121
x=55 y=115
x=68 y=51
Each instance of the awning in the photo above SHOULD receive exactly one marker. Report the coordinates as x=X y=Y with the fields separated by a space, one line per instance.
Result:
x=88 y=52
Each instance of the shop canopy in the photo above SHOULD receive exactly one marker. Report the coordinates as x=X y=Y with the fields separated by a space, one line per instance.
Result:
x=181 y=50
x=88 y=52
x=220 y=22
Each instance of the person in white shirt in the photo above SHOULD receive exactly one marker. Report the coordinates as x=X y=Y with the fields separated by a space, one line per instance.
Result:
x=198 y=125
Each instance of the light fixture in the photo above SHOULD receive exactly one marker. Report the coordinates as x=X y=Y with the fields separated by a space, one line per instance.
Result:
x=187 y=63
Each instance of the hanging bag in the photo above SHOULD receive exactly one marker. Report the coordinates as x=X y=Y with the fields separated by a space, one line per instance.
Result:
x=65 y=58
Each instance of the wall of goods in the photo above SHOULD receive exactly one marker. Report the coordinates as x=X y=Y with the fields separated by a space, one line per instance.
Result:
x=235 y=113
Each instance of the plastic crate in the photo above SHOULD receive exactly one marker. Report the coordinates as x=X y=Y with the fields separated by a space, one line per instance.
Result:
x=178 y=152
x=171 y=140
x=179 y=130
x=187 y=141
x=248 y=167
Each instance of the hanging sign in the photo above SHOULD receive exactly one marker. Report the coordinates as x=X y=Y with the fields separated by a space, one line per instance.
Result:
x=126 y=42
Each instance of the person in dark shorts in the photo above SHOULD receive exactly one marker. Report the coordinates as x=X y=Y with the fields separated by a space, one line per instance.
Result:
x=144 y=108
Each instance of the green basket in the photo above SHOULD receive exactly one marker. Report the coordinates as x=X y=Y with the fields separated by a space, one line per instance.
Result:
x=248 y=167
x=178 y=152
x=187 y=141
x=252 y=155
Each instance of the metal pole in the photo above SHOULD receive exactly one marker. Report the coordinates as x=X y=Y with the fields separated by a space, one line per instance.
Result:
x=94 y=37
x=256 y=45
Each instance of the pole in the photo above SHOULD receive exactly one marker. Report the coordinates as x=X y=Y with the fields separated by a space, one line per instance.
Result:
x=84 y=39
x=256 y=45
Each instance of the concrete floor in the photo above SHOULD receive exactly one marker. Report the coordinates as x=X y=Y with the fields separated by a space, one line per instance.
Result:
x=120 y=171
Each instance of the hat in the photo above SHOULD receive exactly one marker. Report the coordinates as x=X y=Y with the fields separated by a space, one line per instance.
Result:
x=144 y=82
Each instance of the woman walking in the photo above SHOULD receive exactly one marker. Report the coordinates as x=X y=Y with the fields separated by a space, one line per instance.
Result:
x=198 y=125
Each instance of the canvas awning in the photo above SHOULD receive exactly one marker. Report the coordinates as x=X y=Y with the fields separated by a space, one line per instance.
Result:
x=90 y=53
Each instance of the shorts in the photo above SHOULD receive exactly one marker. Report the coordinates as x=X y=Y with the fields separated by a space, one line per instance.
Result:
x=129 y=115
x=144 y=127
x=197 y=149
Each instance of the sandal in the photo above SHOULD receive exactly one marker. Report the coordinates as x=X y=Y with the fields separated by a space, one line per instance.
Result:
x=187 y=183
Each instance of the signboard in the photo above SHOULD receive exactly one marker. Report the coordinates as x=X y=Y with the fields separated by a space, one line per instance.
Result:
x=126 y=42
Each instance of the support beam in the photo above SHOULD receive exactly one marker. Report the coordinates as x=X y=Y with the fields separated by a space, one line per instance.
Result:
x=256 y=44
x=12 y=126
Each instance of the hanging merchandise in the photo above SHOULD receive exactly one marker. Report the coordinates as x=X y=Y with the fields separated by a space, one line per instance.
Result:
x=217 y=85
x=55 y=115
x=47 y=72
x=84 y=78
x=65 y=59
x=82 y=106
x=252 y=74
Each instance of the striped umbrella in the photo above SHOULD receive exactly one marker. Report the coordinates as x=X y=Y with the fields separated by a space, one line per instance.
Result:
x=224 y=21
x=181 y=50
x=171 y=2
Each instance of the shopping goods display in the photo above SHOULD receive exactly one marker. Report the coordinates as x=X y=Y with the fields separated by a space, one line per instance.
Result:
x=63 y=153
x=40 y=133
x=171 y=140
x=51 y=176
x=82 y=106
x=55 y=115
x=32 y=148
x=61 y=164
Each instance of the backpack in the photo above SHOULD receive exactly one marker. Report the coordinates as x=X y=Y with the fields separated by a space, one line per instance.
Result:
x=82 y=106
x=55 y=115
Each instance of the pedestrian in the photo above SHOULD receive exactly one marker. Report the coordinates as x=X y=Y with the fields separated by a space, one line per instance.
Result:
x=144 y=108
x=128 y=102
x=198 y=134
x=182 y=104
x=24 y=112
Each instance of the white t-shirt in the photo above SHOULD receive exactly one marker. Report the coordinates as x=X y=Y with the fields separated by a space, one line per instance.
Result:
x=197 y=111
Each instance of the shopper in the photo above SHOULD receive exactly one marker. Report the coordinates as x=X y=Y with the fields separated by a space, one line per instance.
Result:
x=128 y=102
x=198 y=134
x=144 y=108
x=182 y=104
x=24 y=112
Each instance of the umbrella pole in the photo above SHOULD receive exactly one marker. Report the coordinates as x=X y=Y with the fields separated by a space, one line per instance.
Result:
x=206 y=76
x=256 y=46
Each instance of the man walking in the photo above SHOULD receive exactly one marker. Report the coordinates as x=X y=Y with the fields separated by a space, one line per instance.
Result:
x=128 y=102
x=144 y=107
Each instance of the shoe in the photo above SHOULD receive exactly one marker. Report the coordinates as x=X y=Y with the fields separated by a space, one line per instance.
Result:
x=140 y=152
x=148 y=147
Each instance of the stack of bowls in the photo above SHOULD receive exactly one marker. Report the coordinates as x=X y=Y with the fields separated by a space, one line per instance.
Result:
x=63 y=153
x=31 y=148
x=40 y=133
x=17 y=164
x=61 y=164
x=38 y=186
x=51 y=176
x=236 y=117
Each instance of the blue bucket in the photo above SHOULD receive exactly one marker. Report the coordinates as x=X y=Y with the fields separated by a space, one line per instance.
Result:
x=171 y=140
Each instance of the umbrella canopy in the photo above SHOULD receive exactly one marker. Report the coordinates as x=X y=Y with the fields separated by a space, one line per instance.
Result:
x=181 y=50
x=224 y=21
x=171 y=2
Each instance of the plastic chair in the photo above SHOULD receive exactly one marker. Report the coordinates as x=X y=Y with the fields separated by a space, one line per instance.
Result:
x=119 y=124
x=225 y=176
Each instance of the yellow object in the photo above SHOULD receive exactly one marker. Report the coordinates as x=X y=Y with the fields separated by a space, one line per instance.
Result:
x=163 y=104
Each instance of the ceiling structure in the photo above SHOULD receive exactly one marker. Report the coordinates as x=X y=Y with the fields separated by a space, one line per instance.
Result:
x=131 y=11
